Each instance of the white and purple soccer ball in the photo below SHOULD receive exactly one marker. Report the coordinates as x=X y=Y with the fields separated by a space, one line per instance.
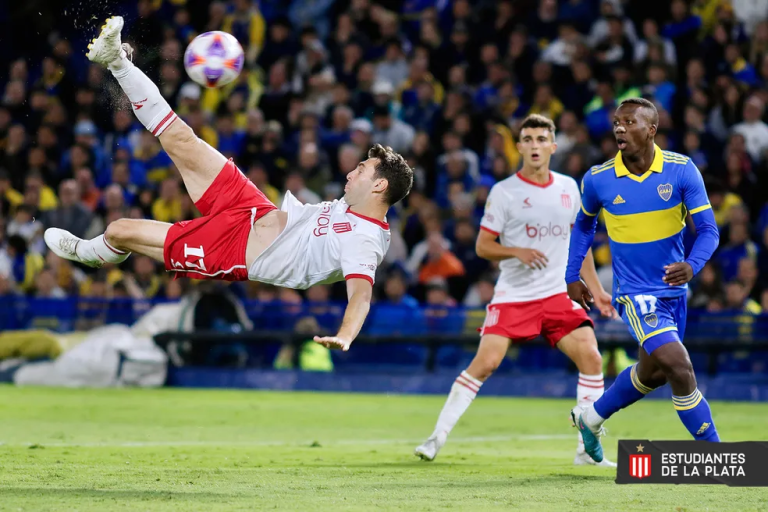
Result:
x=214 y=59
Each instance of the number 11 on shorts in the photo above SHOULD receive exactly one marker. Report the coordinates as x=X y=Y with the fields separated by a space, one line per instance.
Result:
x=195 y=252
x=646 y=303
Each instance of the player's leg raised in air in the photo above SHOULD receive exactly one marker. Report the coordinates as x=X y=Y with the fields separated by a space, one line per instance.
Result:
x=565 y=327
x=212 y=182
x=662 y=359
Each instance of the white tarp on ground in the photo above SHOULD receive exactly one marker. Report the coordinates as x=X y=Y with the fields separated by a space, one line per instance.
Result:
x=110 y=356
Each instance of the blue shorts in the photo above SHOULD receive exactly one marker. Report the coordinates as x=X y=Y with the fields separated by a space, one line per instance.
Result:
x=653 y=321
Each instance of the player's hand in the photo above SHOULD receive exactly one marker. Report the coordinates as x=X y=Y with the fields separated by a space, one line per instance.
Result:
x=604 y=305
x=333 y=342
x=531 y=257
x=578 y=292
x=678 y=273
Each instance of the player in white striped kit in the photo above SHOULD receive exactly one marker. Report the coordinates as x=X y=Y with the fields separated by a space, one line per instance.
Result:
x=531 y=213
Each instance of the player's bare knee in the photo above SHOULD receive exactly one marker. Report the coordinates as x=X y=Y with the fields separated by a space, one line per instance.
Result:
x=681 y=376
x=119 y=232
x=483 y=365
x=590 y=361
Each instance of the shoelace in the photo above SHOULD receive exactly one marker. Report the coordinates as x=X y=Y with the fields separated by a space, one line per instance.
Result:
x=128 y=51
x=68 y=245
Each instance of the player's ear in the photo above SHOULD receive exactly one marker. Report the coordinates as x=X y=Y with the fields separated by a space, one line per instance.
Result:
x=652 y=130
x=380 y=185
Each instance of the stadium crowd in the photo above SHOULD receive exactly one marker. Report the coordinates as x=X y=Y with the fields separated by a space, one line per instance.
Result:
x=446 y=83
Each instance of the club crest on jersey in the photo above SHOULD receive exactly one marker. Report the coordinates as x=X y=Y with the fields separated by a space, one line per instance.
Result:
x=651 y=319
x=665 y=191
x=566 y=200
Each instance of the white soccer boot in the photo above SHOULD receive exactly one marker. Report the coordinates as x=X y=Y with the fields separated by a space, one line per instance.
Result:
x=107 y=48
x=64 y=245
x=582 y=459
x=428 y=449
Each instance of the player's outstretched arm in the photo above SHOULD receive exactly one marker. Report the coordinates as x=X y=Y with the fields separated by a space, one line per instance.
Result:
x=359 y=293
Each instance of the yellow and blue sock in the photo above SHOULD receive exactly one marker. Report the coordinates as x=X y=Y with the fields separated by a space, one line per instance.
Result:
x=626 y=390
x=696 y=415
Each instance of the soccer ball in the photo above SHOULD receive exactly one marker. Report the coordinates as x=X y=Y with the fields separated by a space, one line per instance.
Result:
x=214 y=59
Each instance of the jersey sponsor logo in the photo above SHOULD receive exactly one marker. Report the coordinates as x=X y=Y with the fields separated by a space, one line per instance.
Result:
x=527 y=203
x=566 y=200
x=619 y=200
x=490 y=217
x=138 y=104
x=665 y=191
x=342 y=227
x=541 y=232
x=369 y=266
x=322 y=221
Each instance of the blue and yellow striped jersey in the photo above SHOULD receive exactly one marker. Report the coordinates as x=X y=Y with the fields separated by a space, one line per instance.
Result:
x=645 y=217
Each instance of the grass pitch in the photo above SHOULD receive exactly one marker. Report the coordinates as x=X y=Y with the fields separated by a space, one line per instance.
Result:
x=187 y=450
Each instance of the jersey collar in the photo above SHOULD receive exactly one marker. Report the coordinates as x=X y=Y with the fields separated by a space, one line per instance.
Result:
x=382 y=225
x=656 y=166
x=540 y=185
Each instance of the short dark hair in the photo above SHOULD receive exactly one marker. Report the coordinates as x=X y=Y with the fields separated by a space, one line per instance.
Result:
x=538 y=121
x=642 y=102
x=393 y=168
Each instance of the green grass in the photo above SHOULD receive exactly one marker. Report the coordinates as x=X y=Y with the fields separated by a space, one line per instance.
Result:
x=185 y=450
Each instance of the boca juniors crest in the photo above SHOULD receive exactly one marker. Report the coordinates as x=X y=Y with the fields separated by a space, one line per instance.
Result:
x=665 y=191
x=651 y=319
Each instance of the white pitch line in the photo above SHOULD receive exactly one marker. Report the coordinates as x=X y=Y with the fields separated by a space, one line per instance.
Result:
x=296 y=444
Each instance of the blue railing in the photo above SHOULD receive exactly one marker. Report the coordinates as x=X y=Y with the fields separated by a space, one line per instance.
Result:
x=384 y=320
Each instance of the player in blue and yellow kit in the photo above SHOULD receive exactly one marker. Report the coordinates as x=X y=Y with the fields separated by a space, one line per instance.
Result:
x=645 y=195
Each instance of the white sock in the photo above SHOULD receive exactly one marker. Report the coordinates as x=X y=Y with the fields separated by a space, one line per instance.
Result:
x=593 y=420
x=589 y=389
x=148 y=104
x=463 y=391
x=99 y=249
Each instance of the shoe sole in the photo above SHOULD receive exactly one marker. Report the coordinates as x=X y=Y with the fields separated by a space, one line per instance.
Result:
x=423 y=456
x=113 y=22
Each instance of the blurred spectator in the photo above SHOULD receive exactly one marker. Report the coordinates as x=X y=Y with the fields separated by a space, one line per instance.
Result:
x=247 y=25
x=71 y=214
x=739 y=246
x=754 y=129
x=167 y=207
x=737 y=299
x=396 y=291
x=46 y=287
x=391 y=132
x=25 y=265
x=435 y=259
